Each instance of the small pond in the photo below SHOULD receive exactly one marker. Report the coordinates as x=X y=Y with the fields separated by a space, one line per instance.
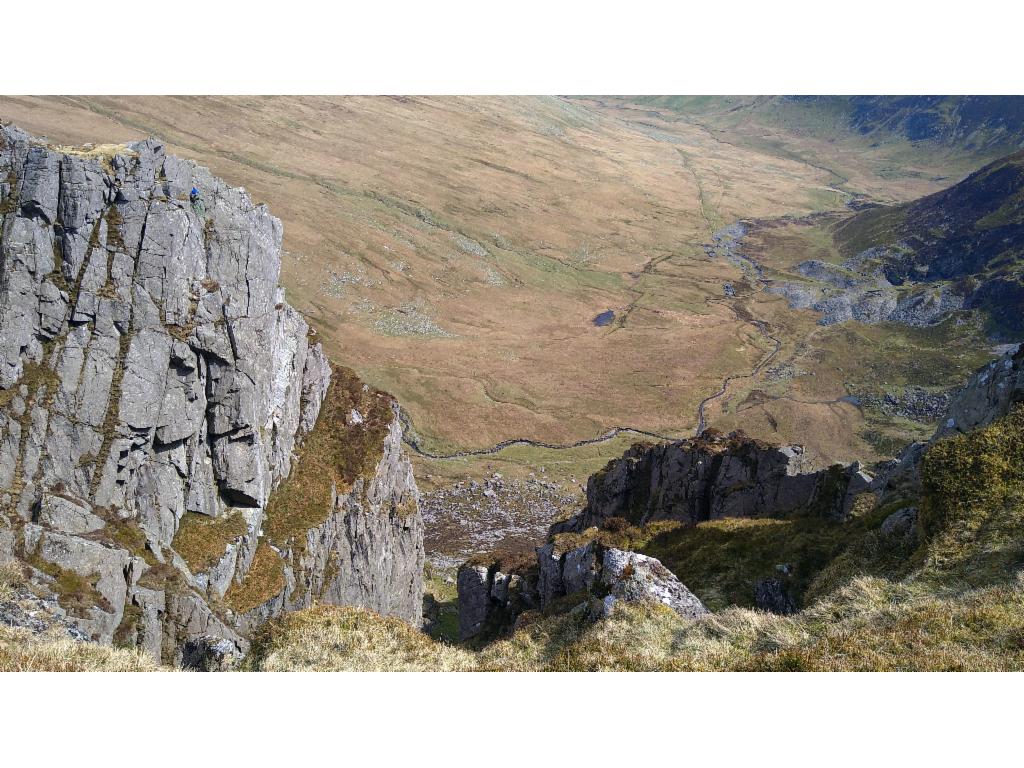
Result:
x=605 y=318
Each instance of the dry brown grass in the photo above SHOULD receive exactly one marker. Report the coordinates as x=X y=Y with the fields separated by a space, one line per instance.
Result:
x=202 y=540
x=869 y=625
x=11 y=577
x=332 y=639
x=264 y=580
x=22 y=651
x=575 y=208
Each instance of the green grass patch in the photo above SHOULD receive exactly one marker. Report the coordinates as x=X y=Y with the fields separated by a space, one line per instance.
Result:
x=972 y=510
x=202 y=540
x=332 y=457
x=264 y=581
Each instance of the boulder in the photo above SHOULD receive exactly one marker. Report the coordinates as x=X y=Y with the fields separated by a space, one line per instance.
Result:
x=634 y=577
x=492 y=599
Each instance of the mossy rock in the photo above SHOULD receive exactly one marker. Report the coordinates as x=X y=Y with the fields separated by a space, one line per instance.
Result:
x=332 y=457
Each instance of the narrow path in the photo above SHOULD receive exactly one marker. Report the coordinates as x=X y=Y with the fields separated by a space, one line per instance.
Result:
x=701 y=197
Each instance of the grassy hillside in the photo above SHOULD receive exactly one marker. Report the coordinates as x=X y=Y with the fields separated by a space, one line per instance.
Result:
x=978 y=125
x=952 y=601
x=869 y=145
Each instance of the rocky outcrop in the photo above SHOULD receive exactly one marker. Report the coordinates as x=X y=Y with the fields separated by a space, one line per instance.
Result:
x=860 y=290
x=493 y=592
x=988 y=395
x=155 y=388
x=713 y=477
x=494 y=597
x=636 y=578
x=913 y=403
x=771 y=595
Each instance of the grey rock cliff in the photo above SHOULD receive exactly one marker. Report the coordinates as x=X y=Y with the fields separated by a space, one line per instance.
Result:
x=989 y=394
x=714 y=477
x=150 y=369
x=368 y=551
x=492 y=598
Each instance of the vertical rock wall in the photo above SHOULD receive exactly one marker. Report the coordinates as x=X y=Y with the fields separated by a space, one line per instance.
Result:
x=154 y=387
x=713 y=477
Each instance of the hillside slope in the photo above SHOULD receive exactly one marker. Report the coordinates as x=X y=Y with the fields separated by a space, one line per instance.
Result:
x=978 y=125
x=456 y=251
x=970 y=235
x=924 y=575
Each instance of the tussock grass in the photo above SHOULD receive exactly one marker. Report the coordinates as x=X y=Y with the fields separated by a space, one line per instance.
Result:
x=333 y=639
x=871 y=624
x=22 y=651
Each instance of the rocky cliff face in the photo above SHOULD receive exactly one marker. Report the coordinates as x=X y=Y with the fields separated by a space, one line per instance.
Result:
x=691 y=481
x=713 y=477
x=958 y=252
x=989 y=395
x=154 y=390
x=498 y=596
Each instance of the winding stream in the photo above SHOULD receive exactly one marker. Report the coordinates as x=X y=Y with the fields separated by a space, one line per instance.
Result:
x=725 y=243
x=410 y=439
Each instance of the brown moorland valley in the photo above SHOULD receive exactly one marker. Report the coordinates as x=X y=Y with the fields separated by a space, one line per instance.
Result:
x=545 y=281
x=457 y=251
